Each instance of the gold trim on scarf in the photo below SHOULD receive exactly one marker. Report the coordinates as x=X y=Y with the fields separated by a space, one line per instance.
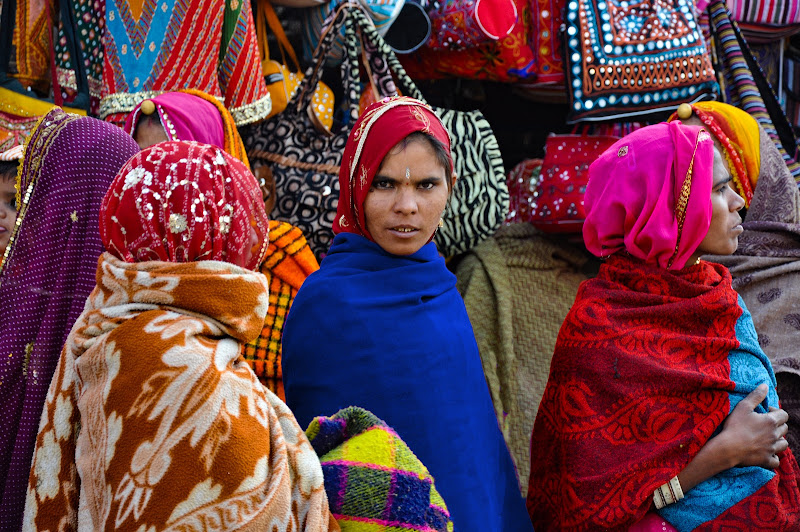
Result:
x=252 y=112
x=683 y=199
x=36 y=149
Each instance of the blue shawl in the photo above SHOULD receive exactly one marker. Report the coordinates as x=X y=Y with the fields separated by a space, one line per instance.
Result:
x=390 y=334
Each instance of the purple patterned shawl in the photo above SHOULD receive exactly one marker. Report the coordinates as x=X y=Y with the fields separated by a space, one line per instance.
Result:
x=68 y=165
x=766 y=265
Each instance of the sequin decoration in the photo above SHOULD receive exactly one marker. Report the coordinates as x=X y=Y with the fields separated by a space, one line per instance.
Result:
x=186 y=202
x=627 y=58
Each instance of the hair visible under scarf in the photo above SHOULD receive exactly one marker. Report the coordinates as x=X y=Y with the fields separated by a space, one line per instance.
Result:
x=382 y=125
x=649 y=194
x=738 y=134
x=191 y=114
x=184 y=202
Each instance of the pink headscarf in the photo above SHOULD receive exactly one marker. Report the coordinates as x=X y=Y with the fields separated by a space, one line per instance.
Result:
x=185 y=117
x=650 y=195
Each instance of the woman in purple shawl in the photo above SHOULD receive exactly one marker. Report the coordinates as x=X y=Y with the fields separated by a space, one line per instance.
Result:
x=49 y=271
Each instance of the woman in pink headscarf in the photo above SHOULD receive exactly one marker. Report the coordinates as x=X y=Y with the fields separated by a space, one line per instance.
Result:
x=660 y=412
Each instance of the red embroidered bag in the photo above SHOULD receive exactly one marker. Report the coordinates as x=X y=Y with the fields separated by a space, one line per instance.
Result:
x=558 y=201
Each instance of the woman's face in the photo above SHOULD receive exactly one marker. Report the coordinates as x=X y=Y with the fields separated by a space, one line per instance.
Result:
x=149 y=132
x=407 y=198
x=8 y=210
x=723 y=234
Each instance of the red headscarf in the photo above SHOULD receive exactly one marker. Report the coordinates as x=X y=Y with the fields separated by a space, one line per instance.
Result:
x=378 y=130
x=649 y=194
x=184 y=202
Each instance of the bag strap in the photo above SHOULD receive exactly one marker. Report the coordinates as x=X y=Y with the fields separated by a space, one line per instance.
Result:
x=378 y=48
x=265 y=12
x=749 y=85
x=332 y=28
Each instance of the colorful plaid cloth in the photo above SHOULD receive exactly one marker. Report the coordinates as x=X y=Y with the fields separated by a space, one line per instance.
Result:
x=288 y=262
x=374 y=482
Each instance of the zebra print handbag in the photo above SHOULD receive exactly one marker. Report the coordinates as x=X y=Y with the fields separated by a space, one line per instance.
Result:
x=479 y=204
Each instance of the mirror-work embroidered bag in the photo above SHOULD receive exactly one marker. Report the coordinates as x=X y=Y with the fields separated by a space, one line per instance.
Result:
x=627 y=58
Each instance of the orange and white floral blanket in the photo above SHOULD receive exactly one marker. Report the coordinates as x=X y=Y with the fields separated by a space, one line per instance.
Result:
x=154 y=421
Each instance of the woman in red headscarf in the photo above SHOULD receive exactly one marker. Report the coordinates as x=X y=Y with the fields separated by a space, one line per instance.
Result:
x=381 y=325
x=660 y=399
x=153 y=419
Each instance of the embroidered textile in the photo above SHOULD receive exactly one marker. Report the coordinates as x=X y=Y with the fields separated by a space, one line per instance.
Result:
x=34 y=19
x=68 y=164
x=153 y=420
x=185 y=201
x=654 y=208
x=288 y=262
x=168 y=45
x=648 y=364
x=394 y=490
x=398 y=342
x=90 y=24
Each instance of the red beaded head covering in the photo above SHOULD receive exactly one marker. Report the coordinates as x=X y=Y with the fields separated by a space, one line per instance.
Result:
x=184 y=202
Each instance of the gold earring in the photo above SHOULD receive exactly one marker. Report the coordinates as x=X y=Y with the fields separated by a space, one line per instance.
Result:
x=441 y=222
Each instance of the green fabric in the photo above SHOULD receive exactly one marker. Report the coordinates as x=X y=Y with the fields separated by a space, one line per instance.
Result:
x=518 y=287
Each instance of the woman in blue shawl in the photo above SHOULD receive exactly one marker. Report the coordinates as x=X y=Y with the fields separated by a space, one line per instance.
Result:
x=381 y=324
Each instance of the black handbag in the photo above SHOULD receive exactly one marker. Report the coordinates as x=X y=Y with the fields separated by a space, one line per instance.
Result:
x=303 y=155
x=480 y=201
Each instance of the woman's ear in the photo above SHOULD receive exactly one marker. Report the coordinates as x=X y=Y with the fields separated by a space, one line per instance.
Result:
x=453 y=179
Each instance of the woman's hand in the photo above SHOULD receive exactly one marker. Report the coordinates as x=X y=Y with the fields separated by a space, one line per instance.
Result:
x=747 y=439
x=756 y=439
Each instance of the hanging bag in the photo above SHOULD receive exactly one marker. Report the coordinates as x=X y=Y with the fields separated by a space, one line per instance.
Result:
x=747 y=87
x=479 y=203
x=632 y=58
x=303 y=155
x=557 y=205
x=281 y=81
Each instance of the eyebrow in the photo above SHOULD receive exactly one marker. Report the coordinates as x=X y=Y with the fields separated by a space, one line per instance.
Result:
x=393 y=180
x=723 y=181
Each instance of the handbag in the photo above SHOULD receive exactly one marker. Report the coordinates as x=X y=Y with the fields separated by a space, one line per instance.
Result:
x=522 y=181
x=460 y=24
x=282 y=82
x=304 y=156
x=633 y=58
x=747 y=87
x=547 y=18
x=557 y=205
x=510 y=59
x=479 y=202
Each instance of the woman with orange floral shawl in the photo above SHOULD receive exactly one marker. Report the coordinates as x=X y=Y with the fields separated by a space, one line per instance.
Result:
x=153 y=420
x=659 y=397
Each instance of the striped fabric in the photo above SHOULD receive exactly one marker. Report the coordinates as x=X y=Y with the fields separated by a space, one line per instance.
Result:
x=741 y=87
x=768 y=12
x=374 y=482
x=288 y=262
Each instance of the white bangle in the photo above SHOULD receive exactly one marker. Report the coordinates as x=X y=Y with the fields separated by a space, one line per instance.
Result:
x=668 y=493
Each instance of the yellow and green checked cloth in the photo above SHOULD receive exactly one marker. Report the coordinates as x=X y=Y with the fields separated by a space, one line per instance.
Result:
x=374 y=482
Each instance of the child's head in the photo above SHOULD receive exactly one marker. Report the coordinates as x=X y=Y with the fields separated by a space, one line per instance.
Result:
x=8 y=202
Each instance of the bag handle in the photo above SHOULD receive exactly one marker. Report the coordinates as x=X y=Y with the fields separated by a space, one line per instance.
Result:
x=265 y=12
x=375 y=45
x=332 y=27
